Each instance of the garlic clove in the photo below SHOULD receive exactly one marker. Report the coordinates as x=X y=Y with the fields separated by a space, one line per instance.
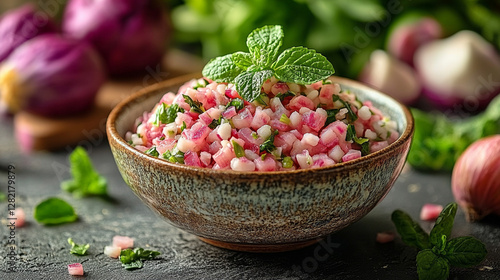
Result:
x=391 y=76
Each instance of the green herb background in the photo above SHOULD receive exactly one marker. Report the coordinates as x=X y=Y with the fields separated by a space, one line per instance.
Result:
x=346 y=32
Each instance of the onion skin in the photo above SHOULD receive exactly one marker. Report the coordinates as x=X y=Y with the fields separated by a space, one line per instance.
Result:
x=20 y=25
x=51 y=76
x=476 y=179
x=129 y=34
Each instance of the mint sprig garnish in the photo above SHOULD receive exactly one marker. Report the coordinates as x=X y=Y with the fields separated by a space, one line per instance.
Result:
x=248 y=71
x=437 y=251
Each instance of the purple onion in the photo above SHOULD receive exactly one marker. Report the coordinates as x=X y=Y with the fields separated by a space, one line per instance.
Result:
x=51 y=76
x=462 y=70
x=129 y=34
x=20 y=25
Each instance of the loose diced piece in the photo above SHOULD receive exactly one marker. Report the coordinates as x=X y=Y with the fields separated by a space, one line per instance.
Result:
x=75 y=269
x=123 y=241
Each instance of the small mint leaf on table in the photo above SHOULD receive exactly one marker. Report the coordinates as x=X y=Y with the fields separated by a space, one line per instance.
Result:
x=53 y=211
x=444 y=224
x=465 y=251
x=249 y=84
x=264 y=44
x=302 y=66
x=411 y=233
x=222 y=69
x=431 y=266
x=78 y=249
x=86 y=181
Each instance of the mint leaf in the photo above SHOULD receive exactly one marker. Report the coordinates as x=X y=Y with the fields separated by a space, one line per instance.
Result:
x=86 y=181
x=264 y=44
x=411 y=233
x=249 y=84
x=465 y=251
x=222 y=69
x=53 y=211
x=302 y=66
x=432 y=267
x=242 y=59
x=132 y=259
x=444 y=224
x=77 y=249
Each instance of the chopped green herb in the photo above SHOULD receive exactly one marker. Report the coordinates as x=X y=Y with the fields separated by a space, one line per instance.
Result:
x=350 y=114
x=255 y=135
x=133 y=259
x=76 y=249
x=284 y=119
x=238 y=149
x=363 y=142
x=268 y=145
x=152 y=152
x=53 y=211
x=331 y=116
x=174 y=156
x=237 y=103
x=260 y=99
x=183 y=126
x=196 y=106
x=214 y=123
x=248 y=71
x=166 y=114
x=287 y=162
x=438 y=251
x=86 y=181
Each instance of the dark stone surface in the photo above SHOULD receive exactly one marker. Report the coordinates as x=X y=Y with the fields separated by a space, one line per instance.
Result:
x=353 y=253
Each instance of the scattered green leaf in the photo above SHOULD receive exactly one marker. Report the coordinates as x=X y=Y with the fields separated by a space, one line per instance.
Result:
x=196 y=106
x=166 y=114
x=133 y=259
x=86 y=181
x=268 y=145
x=238 y=149
x=174 y=156
x=78 y=249
x=152 y=151
x=53 y=211
x=237 y=103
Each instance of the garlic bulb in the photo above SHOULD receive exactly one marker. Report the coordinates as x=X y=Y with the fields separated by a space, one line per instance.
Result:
x=476 y=178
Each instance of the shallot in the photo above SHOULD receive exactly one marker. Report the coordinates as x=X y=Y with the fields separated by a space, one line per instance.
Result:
x=476 y=179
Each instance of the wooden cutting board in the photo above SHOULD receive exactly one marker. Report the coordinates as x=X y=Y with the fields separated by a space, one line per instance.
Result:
x=34 y=133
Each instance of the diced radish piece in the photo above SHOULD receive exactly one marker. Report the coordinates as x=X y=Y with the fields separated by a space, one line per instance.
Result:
x=205 y=118
x=224 y=156
x=260 y=118
x=300 y=101
x=75 y=269
x=205 y=158
x=385 y=237
x=430 y=212
x=329 y=138
x=310 y=139
x=123 y=241
x=224 y=131
x=285 y=141
x=295 y=120
x=230 y=112
x=251 y=155
x=242 y=119
x=242 y=164
x=163 y=145
x=20 y=217
x=322 y=160
x=268 y=164
x=304 y=159
x=351 y=155
x=314 y=120
x=278 y=125
x=112 y=251
x=192 y=159
x=326 y=93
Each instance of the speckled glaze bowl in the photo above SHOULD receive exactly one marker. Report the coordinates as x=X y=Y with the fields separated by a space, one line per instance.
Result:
x=258 y=211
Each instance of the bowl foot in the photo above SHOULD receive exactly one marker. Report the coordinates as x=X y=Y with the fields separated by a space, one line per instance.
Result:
x=260 y=248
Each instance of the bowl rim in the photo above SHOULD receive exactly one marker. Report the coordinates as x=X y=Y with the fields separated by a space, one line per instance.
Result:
x=113 y=135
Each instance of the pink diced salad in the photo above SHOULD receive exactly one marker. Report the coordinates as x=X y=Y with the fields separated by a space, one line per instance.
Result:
x=290 y=126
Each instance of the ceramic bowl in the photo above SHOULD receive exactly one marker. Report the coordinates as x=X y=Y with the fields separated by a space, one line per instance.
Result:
x=258 y=211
